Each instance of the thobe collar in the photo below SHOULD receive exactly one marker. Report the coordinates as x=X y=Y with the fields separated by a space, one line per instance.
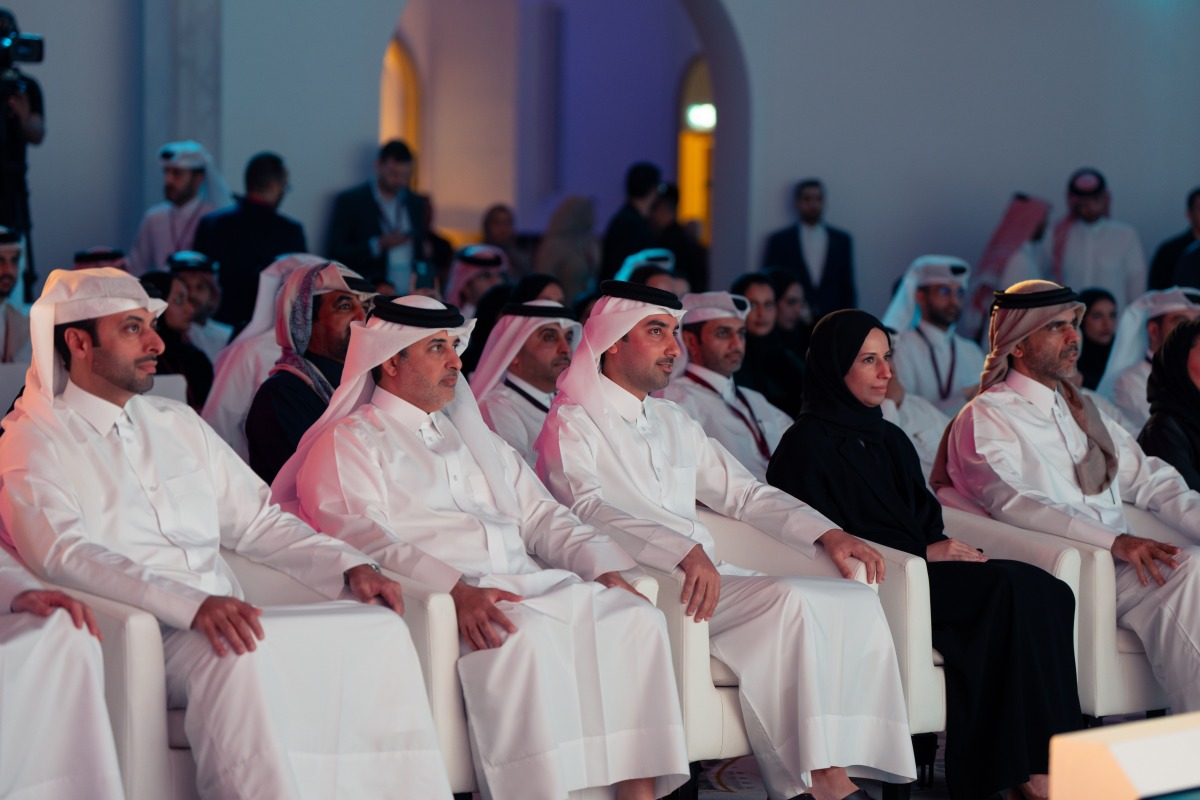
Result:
x=525 y=386
x=934 y=333
x=190 y=206
x=403 y=411
x=99 y=413
x=1042 y=396
x=722 y=384
x=621 y=399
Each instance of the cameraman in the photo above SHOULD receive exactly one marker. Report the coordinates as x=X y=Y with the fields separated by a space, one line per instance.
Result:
x=24 y=124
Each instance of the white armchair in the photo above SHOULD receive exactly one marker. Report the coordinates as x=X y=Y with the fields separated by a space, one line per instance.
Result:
x=1114 y=675
x=152 y=749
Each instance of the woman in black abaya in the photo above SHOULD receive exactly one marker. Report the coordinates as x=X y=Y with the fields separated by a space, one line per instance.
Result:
x=1004 y=628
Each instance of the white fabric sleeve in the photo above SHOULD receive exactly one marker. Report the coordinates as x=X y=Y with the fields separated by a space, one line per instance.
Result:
x=1153 y=485
x=506 y=423
x=567 y=464
x=990 y=453
x=1133 y=267
x=727 y=487
x=43 y=517
x=228 y=403
x=554 y=534
x=257 y=528
x=344 y=492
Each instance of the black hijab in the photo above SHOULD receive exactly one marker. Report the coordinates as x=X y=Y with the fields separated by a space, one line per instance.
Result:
x=843 y=459
x=1170 y=389
x=834 y=346
x=1093 y=356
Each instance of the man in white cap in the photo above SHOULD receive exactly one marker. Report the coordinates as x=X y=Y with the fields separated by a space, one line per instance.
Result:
x=1035 y=453
x=192 y=187
x=514 y=383
x=475 y=270
x=1089 y=248
x=100 y=256
x=14 y=325
x=817 y=670
x=55 y=728
x=248 y=360
x=131 y=497
x=199 y=274
x=928 y=356
x=313 y=314
x=1143 y=328
x=566 y=671
x=714 y=333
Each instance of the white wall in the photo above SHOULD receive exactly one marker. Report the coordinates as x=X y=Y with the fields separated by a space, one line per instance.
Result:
x=301 y=78
x=84 y=177
x=923 y=117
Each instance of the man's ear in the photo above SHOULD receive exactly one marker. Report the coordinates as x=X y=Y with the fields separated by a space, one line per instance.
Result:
x=392 y=366
x=79 y=342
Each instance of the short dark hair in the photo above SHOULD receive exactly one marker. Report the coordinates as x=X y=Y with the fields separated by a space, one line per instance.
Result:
x=642 y=179
x=807 y=183
x=693 y=328
x=744 y=282
x=396 y=150
x=377 y=370
x=1193 y=196
x=668 y=196
x=263 y=170
x=60 y=338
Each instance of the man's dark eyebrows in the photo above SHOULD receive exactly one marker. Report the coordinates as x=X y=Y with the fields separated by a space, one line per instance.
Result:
x=655 y=322
x=437 y=340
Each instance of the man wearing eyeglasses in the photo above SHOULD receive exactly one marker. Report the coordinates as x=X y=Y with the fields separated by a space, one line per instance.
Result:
x=930 y=359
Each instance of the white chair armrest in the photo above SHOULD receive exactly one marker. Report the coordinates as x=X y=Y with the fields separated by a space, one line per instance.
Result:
x=746 y=546
x=997 y=539
x=693 y=673
x=904 y=596
x=135 y=690
x=433 y=625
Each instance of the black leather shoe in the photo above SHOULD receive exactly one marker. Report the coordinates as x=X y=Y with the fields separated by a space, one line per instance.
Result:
x=861 y=794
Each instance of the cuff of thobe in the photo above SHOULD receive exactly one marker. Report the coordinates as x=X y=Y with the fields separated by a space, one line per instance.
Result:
x=665 y=552
x=1083 y=531
x=614 y=560
x=435 y=574
x=176 y=609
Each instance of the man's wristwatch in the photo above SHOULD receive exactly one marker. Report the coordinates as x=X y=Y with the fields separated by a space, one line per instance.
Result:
x=346 y=574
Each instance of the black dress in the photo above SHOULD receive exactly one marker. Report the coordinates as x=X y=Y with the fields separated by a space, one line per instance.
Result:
x=775 y=370
x=1005 y=629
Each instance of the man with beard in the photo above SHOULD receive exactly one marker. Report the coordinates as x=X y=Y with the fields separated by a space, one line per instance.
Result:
x=313 y=314
x=931 y=360
x=514 y=383
x=714 y=332
x=14 y=325
x=821 y=256
x=199 y=274
x=1037 y=454
x=192 y=187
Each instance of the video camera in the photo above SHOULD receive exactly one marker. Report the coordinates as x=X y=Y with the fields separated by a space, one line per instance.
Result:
x=14 y=47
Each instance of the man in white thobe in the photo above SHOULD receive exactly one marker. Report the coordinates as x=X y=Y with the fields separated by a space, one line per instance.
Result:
x=928 y=355
x=1087 y=248
x=741 y=419
x=1036 y=454
x=192 y=187
x=56 y=737
x=922 y=421
x=1143 y=328
x=131 y=497
x=514 y=382
x=817 y=670
x=199 y=274
x=246 y=363
x=566 y=671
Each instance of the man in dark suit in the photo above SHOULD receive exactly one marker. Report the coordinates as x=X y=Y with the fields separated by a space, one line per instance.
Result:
x=629 y=230
x=380 y=228
x=1166 y=258
x=246 y=237
x=821 y=256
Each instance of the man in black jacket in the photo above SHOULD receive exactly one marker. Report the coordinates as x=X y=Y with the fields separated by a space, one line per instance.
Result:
x=380 y=228
x=246 y=237
x=629 y=230
x=1169 y=253
x=821 y=256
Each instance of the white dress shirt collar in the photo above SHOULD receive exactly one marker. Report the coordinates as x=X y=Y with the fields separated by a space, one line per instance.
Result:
x=401 y=410
x=621 y=399
x=721 y=383
x=1039 y=394
x=100 y=414
x=537 y=394
x=934 y=332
